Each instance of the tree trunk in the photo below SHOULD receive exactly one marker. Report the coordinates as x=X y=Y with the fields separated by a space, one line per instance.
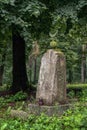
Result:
x=35 y=69
x=83 y=64
x=1 y=74
x=70 y=79
x=83 y=71
x=2 y=68
x=20 y=80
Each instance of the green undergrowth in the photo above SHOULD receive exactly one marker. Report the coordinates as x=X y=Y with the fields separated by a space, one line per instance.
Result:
x=4 y=87
x=77 y=90
x=73 y=119
x=75 y=86
x=12 y=99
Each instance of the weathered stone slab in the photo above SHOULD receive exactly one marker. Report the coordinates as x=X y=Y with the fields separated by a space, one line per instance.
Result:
x=52 y=78
x=19 y=113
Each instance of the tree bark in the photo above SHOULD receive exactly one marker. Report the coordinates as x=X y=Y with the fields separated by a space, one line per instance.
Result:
x=83 y=64
x=1 y=74
x=20 y=80
x=35 y=69
x=83 y=70
x=70 y=79
x=2 y=68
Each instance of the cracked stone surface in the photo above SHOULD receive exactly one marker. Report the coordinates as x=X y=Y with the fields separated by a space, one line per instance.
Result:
x=52 y=78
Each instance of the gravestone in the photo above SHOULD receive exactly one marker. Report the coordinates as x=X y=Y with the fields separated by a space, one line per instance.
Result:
x=52 y=78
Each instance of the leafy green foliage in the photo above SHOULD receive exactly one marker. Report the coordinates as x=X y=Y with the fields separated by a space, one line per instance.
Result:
x=74 y=119
x=18 y=96
x=61 y=21
x=2 y=102
x=12 y=98
x=71 y=94
x=77 y=90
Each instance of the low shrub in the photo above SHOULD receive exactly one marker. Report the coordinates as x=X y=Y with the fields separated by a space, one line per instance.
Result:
x=76 y=90
x=77 y=86
x=20 y=96
x=17 y=97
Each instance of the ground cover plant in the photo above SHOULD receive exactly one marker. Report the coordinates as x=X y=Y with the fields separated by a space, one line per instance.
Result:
x=74 y=119
x=78 y=91
x=13 y=100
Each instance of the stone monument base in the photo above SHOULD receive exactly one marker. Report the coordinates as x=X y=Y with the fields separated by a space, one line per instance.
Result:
x=57 y=110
